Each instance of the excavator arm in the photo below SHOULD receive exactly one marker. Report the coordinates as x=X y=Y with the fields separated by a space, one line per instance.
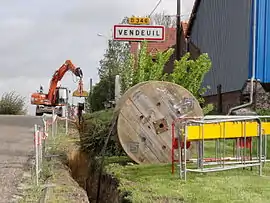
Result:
x=59 y=74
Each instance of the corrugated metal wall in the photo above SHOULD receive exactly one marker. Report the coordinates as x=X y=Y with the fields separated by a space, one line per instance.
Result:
x=222 y=29
x=263 y=41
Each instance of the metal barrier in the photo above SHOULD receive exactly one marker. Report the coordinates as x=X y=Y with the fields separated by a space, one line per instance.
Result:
x=39 y=138
x=41 y=133
x=220 y=129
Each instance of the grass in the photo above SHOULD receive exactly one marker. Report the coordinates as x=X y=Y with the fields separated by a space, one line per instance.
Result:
x=33 y=192
x=54 y=172
x=66 y=189
x=104 y=115
x=155 y=183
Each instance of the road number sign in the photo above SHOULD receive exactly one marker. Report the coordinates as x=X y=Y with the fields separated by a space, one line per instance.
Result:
x=138 y=21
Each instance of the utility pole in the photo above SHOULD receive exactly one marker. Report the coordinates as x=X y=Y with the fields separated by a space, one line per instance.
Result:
x=90 y=96
x=91 y=86
x=178 y=31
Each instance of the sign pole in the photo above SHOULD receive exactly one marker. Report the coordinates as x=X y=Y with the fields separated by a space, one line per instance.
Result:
x=178 y=31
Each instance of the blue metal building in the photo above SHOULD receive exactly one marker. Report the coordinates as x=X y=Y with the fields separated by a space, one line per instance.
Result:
x=224 y=30
x=262 y=45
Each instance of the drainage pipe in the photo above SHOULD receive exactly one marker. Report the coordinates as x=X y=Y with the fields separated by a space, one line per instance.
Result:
x=253 y=61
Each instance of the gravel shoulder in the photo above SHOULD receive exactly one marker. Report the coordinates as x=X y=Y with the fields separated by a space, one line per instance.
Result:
x=16 y=137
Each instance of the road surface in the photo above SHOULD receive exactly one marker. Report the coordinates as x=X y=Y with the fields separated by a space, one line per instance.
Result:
x=16 y=137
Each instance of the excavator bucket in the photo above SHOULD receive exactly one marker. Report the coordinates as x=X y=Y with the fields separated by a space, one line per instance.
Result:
x=77 y=93
x=80 y=92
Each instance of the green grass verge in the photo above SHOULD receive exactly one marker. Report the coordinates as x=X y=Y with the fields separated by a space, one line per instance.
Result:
x=155 y=183
x=53 y=171
x=33 y=192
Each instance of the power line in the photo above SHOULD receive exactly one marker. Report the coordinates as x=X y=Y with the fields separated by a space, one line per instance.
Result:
x=155 y=8
x=182 y=15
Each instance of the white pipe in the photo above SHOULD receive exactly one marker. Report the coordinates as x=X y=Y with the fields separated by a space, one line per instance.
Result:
x=221 y=116
x=117 y=88
x=253 y=61
x=139 y=47
x=223 y=120
x=226 y=117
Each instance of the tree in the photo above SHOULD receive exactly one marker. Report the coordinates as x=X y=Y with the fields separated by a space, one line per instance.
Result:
x=187 y=72
x=12 y=103
x=190 y=74
x=98 y=98
x=147 y=69
x=112 y=64
x=163 y=19
x=118 y=60
x=118 y=52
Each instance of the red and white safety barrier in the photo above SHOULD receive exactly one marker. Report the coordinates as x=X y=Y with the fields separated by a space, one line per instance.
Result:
x=41 y=133
x=39 y=137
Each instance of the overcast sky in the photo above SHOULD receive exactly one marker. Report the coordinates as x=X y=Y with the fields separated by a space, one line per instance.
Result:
x=38 y=36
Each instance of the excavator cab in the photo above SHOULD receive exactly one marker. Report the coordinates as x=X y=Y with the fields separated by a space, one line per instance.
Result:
x=61 y=96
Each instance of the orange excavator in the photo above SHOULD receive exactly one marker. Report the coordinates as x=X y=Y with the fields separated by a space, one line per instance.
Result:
x=57 y=97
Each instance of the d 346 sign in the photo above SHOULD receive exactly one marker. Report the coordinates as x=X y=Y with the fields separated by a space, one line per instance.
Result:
x=139 y=21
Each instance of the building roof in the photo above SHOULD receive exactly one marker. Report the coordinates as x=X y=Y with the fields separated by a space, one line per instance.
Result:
x=184 y=25
x=192 y=17
x=154 y=47
x=170 y=40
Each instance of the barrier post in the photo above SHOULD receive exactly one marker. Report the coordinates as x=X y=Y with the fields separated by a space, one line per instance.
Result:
x=40 y=135
x=260 y=147
x=53 y=125
x=66 y=122
x=56 y=126
x=36 y=152
x=40 y=148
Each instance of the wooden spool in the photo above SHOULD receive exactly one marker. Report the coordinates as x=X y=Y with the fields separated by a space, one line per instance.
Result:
x=145 y=114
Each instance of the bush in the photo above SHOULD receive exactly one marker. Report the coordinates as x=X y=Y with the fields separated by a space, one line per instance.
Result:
x=103 y=91
x=95 y=131
x=187 y=73
x=12 y=103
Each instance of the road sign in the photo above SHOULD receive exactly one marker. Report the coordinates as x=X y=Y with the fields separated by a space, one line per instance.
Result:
x=138 y=21
x=139 y=32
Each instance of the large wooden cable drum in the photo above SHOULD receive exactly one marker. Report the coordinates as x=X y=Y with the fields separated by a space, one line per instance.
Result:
x=145 y=114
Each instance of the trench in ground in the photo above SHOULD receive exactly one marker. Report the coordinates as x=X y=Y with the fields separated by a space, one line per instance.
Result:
x=86 y=171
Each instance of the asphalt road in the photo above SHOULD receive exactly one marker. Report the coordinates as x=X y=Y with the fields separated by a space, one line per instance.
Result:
x=16 y=137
